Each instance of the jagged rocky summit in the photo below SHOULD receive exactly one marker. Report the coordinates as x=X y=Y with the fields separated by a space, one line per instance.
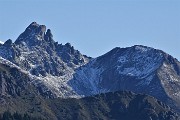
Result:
x=56 y=70
x=48 y=63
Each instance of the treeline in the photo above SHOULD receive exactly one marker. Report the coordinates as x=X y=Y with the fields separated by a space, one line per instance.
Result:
x=16 y=116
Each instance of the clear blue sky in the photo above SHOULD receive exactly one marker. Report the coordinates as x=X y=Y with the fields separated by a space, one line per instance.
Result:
x=96 y=26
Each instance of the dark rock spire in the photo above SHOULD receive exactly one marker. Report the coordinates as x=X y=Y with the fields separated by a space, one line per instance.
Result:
x=36 y=28
x=33 y=33
x=48 y=36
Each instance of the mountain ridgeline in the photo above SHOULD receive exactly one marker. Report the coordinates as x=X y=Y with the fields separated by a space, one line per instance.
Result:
x=35 y=67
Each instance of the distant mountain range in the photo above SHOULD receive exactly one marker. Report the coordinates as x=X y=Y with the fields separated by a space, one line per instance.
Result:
x=36 y=65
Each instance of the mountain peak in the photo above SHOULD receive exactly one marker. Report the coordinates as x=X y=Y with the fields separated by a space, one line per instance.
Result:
x=34 y=24
x=34 y=27
x=34 y=32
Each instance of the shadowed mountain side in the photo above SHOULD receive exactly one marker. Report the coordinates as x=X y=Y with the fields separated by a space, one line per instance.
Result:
x=120 y=105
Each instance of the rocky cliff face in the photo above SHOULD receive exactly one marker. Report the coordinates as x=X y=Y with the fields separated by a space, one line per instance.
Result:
x=57 y=70
x=49 y=63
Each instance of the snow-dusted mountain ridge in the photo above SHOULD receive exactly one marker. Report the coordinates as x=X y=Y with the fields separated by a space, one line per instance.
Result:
x=138 y=68
x=65 y=72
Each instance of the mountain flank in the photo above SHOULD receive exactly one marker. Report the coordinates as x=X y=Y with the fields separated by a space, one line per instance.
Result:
x=36 y=69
